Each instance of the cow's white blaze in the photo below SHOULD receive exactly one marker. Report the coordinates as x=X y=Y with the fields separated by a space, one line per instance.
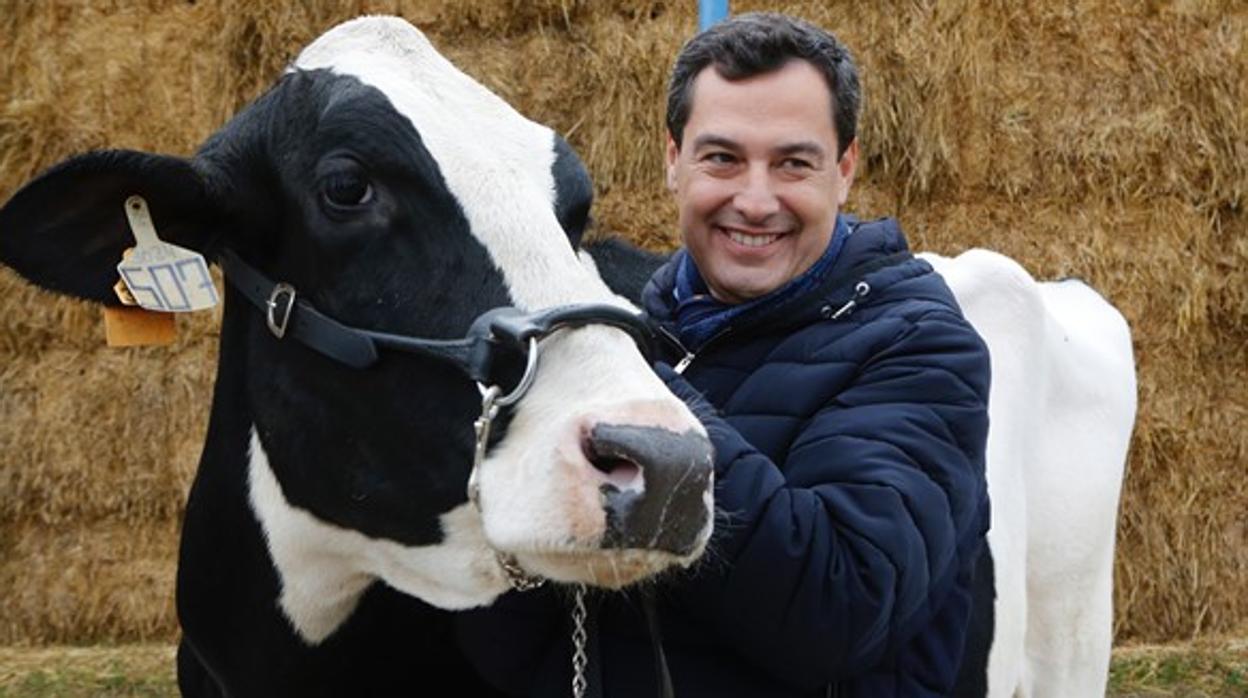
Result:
x=324 y=568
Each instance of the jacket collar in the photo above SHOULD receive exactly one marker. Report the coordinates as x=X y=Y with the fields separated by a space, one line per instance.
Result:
x=872 y=252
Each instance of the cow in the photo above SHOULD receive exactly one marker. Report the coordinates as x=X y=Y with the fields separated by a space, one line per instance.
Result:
x=384 y=444
x=1061 y=410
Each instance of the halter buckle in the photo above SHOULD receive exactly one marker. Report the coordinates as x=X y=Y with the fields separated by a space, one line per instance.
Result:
x=481 y=430
x=279 y=328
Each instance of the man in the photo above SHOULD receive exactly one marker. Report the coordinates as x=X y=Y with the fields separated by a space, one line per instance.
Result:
x=847 y=406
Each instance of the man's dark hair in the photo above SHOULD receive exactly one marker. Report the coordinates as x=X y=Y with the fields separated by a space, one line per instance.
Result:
x=757 y=43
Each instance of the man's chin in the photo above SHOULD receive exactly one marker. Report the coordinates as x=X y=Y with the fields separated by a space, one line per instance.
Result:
x=735 y=291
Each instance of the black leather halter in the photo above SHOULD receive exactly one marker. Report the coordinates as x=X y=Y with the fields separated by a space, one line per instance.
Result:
x=506 y=328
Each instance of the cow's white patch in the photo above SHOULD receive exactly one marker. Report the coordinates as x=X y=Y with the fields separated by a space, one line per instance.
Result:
x=1061 y=408
x=324 y=569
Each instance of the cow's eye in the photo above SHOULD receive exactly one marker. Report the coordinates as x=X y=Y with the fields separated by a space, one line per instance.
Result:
x=347 y=190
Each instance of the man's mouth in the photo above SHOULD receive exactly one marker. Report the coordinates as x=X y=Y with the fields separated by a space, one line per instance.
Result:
x=751 y=240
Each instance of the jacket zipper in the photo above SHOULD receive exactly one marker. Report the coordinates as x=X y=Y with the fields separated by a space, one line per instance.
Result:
x=689 y=356
x=681 y=365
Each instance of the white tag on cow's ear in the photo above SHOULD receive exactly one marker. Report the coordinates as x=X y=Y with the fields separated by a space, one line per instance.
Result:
x=161 y=276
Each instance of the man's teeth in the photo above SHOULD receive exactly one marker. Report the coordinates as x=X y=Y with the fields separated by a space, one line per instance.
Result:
x=751 y=240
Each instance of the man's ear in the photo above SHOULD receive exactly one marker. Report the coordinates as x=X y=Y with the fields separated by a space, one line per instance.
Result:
x=66 y=230
x=672 y=155
x=848 y=166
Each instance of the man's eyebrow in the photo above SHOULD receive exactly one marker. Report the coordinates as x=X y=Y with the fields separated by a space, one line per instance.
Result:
x=809 y=148
x=711 y=140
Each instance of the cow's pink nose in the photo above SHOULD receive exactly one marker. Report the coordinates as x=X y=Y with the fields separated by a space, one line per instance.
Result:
x=654 y=485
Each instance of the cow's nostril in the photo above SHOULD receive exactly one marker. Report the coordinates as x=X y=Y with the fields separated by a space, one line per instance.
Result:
x=622 y=472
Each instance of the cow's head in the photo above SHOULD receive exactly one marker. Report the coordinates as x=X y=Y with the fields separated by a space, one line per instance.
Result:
x=397 y=194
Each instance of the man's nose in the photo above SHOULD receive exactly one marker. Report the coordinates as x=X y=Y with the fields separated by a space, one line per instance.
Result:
x=756 y=200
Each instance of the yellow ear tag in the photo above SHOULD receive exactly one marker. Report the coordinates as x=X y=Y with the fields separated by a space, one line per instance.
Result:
x=163 y=277
x=136 y=327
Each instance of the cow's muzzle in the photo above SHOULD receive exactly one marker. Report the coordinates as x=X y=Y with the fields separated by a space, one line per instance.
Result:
x=656 y=486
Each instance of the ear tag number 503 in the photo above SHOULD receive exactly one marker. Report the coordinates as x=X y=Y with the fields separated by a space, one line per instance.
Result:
x=161 y=276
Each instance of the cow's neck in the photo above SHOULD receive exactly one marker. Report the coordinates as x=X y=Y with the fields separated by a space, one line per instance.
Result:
x=322 y=569
x=291 y=584
x=230 y=588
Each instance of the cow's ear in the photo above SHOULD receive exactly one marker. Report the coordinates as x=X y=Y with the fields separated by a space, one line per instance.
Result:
x=67 y=229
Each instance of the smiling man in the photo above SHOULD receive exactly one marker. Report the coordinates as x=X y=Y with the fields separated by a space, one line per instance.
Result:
x=847 y=394
x=843 y=391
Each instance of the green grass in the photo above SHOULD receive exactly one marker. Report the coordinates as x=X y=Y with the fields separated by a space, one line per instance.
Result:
x=147 y=671
x=1199 y=671
x=129 y=671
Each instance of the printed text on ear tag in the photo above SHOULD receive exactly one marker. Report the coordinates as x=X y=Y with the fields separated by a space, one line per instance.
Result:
x=161 y=276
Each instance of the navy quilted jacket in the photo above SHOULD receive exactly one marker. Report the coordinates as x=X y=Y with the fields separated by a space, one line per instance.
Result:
x=849 y=443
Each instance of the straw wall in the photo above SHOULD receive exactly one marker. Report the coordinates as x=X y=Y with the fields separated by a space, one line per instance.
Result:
x=1105 y=140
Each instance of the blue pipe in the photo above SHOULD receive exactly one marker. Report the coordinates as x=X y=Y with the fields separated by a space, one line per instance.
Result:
x=710 y=12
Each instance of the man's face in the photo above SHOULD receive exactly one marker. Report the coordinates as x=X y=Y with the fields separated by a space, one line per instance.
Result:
x=757 y=179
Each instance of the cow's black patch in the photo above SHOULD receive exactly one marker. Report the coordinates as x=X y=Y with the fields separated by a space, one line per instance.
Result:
x=973 y=674
x=574 y=193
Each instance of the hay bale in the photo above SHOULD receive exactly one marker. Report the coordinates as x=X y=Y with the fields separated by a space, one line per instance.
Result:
x=1102 y=140
x=93 y=581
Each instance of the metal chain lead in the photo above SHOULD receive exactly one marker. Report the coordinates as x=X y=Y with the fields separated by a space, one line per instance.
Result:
x=579 y=659
x=516 y=576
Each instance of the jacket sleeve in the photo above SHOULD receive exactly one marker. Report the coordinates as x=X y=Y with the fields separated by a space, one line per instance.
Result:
x=825 y=563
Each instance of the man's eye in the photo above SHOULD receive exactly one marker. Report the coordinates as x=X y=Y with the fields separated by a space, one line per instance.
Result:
x=719 y=158
x=795 y=164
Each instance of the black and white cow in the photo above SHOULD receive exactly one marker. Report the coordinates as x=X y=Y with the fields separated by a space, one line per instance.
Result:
x=394 y=194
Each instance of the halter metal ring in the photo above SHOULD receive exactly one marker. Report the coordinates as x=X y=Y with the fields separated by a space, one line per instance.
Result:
x=279 y=328
x=526 y=381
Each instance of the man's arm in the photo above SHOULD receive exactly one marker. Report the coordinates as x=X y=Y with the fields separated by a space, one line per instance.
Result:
x=842 y=553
